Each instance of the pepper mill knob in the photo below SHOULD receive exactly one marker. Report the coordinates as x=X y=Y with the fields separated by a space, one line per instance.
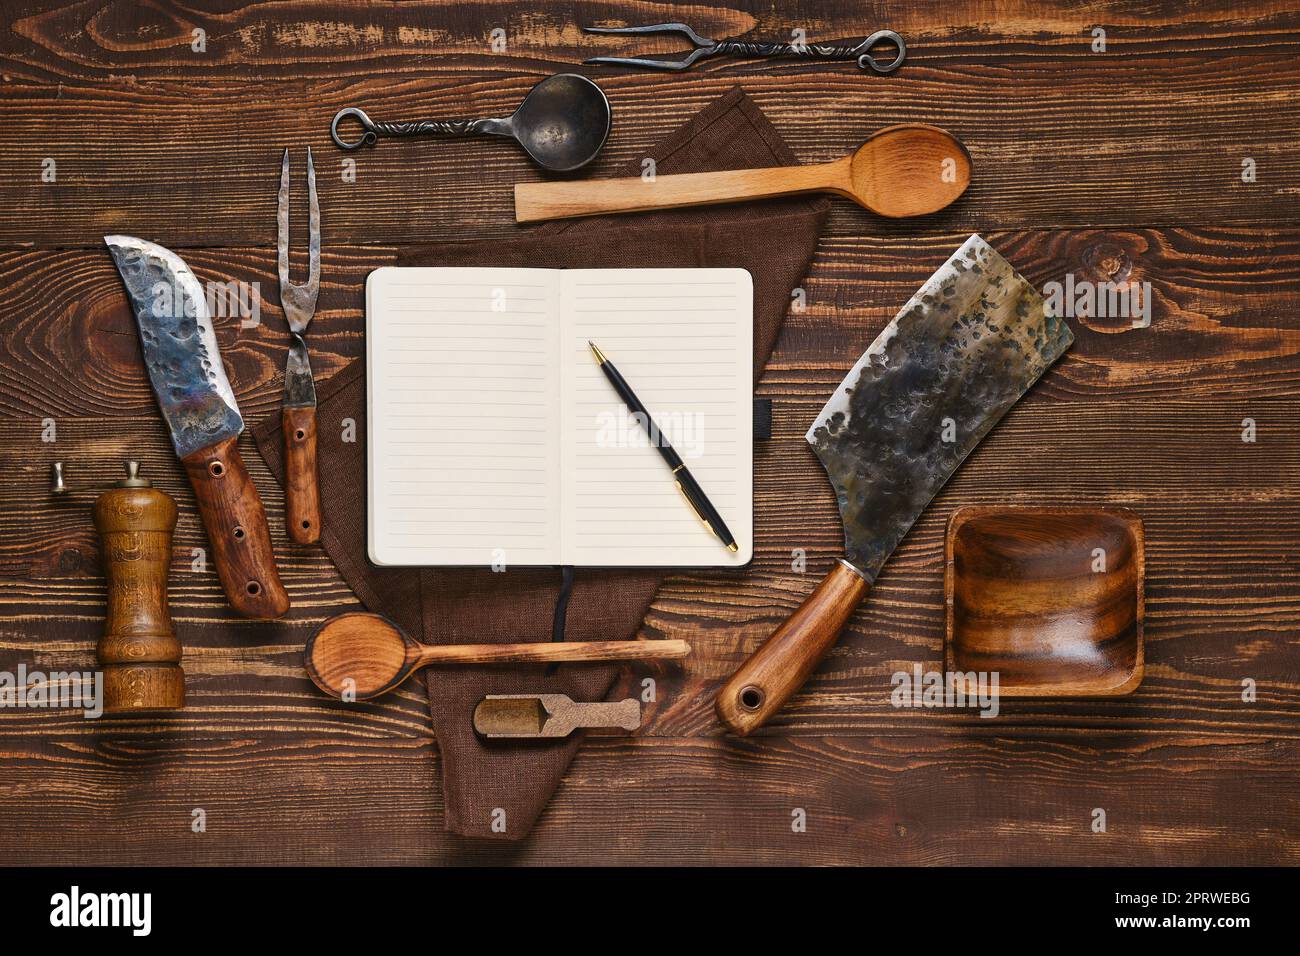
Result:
x=139 y=652
x=133 y=479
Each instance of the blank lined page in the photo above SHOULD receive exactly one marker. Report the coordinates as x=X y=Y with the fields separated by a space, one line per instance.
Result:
x=683 y=340
x=462 y=372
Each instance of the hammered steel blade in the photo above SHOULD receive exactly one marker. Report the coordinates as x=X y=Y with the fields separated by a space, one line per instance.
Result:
x=936 y=380
x=299 y=301
x=179 y=345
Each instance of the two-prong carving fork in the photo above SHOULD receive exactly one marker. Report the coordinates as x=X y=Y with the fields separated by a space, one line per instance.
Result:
x=298 y=415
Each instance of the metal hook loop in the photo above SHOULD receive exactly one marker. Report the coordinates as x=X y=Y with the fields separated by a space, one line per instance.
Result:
x=867 y=62
x=368 y=138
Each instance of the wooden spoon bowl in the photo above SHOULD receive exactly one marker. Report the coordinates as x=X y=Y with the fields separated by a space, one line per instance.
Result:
x=365 y=654
x=899 y=172
x=358 y=656
x=905 y=171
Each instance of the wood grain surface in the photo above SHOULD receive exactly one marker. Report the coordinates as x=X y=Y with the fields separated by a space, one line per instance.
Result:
x=1123 y=164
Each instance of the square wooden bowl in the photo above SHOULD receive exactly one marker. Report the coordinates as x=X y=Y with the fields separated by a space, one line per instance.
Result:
x=1026 y=599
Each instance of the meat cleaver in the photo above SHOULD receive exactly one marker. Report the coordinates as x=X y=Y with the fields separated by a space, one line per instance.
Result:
x=194 y=396
x=956 y=357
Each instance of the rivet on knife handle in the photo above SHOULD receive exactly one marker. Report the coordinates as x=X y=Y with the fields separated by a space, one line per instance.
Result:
x=241 y=542
x=302 y=493
x=779 y=668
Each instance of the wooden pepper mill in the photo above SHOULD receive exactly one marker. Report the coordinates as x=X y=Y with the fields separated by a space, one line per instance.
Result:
x=139 y=652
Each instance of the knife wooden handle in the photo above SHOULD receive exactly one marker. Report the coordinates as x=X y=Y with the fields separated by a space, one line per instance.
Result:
x=301 y=489
x=779 y=668
x=236 y=523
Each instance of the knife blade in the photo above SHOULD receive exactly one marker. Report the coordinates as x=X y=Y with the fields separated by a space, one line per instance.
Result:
x=189 y=381
x=955 y=358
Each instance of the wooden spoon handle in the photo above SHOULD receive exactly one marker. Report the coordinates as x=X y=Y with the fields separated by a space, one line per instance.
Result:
x=557 y=652
x=563 y=200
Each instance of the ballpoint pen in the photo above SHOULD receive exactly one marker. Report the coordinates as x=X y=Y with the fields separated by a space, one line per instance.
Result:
x=686 y=483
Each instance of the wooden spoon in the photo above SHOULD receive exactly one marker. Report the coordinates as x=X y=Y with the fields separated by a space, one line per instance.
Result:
x=900 y=171
x=367 y=655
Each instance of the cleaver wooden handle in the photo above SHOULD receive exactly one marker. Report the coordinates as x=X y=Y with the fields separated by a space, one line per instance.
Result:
x=301 y=486
x=236 y=524
x=779 y=668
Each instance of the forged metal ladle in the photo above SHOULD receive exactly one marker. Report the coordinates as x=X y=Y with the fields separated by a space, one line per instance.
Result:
x=562 y=124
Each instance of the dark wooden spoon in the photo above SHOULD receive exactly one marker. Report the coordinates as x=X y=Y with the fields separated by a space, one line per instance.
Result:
x=365 y=655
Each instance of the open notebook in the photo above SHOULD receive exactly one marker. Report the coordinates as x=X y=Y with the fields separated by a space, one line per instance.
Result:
x=495 y=440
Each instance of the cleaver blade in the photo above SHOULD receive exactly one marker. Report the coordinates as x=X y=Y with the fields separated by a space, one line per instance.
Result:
x=957 y=356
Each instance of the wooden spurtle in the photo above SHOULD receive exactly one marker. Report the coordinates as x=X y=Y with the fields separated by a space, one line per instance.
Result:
x=901 y=171
x=365 y=655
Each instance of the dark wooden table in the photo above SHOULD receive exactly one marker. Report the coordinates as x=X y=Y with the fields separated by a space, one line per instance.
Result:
x=1126 y=163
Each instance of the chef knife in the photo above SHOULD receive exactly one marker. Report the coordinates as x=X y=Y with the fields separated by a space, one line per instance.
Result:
x=958 y=355
x=189 y=381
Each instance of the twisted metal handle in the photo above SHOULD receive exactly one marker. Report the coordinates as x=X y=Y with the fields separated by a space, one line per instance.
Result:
x=821 y=51
x=373 y=130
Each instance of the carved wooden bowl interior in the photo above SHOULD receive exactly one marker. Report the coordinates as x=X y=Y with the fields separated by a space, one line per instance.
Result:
x=1051 y=598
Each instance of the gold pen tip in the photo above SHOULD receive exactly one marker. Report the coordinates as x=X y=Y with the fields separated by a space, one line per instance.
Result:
x=600 y=356
x=732 y=547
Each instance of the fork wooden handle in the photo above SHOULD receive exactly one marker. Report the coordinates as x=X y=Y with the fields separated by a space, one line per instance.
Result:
x=301 y=485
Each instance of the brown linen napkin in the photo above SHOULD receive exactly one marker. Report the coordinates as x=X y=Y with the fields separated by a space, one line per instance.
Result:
x=496 y=789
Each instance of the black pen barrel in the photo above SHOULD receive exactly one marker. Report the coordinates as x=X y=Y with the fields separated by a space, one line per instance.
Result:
x=690 y=488
x=657 y=437
x=703 y=506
